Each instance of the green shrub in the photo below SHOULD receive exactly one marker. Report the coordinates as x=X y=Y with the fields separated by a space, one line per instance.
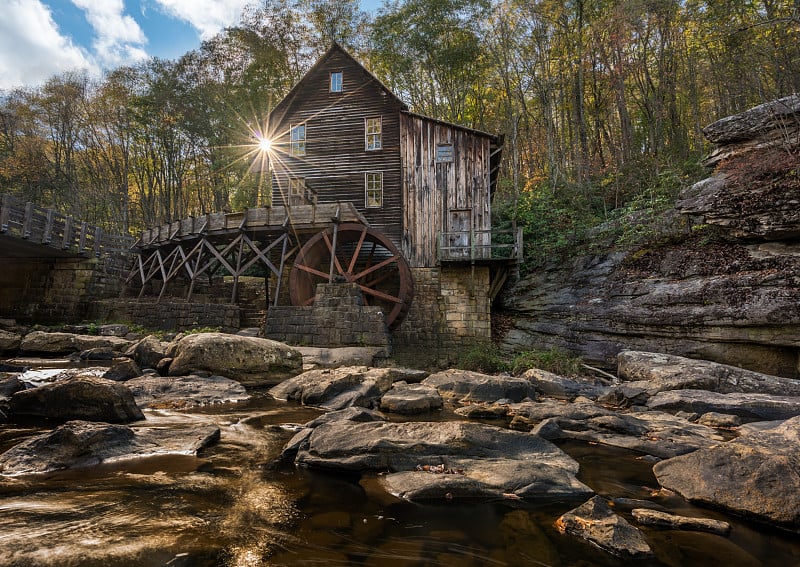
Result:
x=198 y=330
x=553 y=360
x=483 y=357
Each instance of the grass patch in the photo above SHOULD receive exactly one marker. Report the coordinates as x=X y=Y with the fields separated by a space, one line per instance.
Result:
x=552 y=360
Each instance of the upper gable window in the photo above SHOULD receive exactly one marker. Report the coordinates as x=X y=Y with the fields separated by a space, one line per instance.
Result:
x=297 y=146
x=372 y=132
x=444 y=153
x=336 y=81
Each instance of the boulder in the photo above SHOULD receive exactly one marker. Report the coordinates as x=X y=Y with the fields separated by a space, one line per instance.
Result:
x=659 y=519
x=465 y=386
x=484 y=411
x=336 y=388
x=249 y=360
x=410 y=399
x=753 y=407
x=9 y=342
x=595 y=522
x=48 y=343
x=79 y=397
x=556 y=386
x=756 y=475
x=148 y=351
x=113 y=330
x=122 y=370
x=719 y=420
x=526 y=415
x=10 y=385
x=89 y=342
x=344 y=356
x=81 y=444
x=754 y=122
x=185 y=391
x=101 y=353
x=653 y=433
x=428 y=460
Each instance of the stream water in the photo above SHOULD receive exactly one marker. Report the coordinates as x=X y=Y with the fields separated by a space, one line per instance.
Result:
x=231 y=507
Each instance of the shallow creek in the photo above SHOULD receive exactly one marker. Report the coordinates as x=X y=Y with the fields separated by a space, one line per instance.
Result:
x=229 y=507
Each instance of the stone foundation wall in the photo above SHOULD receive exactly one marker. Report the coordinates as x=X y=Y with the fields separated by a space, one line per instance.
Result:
x=451 y=311
x=168 y=315
x=338 y=318
x=55 y=290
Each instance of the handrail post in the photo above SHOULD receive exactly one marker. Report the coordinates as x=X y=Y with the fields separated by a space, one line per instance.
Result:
x=27 y=221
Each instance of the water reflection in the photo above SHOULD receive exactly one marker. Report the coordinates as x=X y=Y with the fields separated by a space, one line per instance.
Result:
x=228 y=507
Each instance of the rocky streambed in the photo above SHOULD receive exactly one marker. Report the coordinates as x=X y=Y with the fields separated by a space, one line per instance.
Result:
x=144 y=461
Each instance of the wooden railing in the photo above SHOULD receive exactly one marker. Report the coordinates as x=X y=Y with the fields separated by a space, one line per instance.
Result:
x=480 y=245
x=50 y=228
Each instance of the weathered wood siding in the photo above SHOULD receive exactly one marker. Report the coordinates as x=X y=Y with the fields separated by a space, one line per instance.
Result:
x=336 y=159
x=432 y=191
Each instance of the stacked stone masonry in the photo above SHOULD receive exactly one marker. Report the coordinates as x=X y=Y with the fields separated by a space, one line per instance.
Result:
x=337 y=318
x=169 y=315
x=451 y=311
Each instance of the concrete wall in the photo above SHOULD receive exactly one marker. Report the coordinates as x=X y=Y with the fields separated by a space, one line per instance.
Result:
x=451 y=311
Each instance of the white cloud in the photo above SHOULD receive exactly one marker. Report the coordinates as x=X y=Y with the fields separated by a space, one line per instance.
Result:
x=118 y=38
x=31 y=47
x=206 y=16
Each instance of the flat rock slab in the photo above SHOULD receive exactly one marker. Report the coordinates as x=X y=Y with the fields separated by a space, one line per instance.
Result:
x=62 y=343
x=337 y=388
x=753 y=407
x=658 y=372
x=527 y=414
x=249 y=360
x=756 y=475
x=556 y=386
x=409 y=399
x=430 y=460
x=185 y=391
x=9 y=342
x=79 y=397
x=659 y=519
x=465 y=386
x=597 y=523
x=81 y=444
x=654 y=433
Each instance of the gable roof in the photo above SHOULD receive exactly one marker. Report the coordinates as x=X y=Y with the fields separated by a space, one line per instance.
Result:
x=334 y=49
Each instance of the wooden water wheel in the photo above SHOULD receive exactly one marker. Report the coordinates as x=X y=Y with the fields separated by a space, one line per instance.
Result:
x=351 y=252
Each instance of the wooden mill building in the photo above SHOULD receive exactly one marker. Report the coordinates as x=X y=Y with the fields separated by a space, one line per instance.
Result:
x=365 y=192
x=341 y=135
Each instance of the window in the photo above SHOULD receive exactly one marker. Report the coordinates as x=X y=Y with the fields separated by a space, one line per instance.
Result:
x=297 y=189
x=374 y=189
x=444 y=153
x=336 y=81
x=298 y=140
x=372 y=130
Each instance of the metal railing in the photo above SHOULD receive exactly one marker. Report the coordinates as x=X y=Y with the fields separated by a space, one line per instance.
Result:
x=480 y=245
x=47 y=227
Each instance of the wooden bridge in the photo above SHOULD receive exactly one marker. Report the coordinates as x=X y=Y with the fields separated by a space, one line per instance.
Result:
x=27 y=230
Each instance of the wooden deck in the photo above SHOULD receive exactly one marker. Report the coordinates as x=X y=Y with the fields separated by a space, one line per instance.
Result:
x=298 y=219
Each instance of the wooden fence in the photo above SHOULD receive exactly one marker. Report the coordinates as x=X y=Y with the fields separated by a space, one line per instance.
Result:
x=47 y=227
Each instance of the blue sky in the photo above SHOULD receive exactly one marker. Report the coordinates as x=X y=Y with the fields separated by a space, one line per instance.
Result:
x=40 y=38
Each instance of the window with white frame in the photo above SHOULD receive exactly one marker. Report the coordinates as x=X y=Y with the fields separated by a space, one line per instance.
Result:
x=373 y=183
x=297 y=187
x=372 y=132
x=297 y=146
x=336 y=81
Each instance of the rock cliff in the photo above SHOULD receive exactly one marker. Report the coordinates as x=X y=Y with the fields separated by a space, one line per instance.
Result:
x=722 y=285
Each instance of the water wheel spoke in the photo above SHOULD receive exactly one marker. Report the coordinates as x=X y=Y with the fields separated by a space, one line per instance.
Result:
x=309 y=301
x=357 y=251
x=311 y=270
x=379 y=280
x=330 y=249
x=380 y=294
x=377 y=266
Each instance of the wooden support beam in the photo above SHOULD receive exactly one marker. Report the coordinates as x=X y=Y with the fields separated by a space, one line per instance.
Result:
x=47 y=236
x=5 y=213
x=27 y=221
x=98 y=241
x=82 y=239
x=67 y=241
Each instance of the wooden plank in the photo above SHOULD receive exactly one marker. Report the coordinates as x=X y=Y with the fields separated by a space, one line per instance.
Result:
x=47 y=236
x=27 y=220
